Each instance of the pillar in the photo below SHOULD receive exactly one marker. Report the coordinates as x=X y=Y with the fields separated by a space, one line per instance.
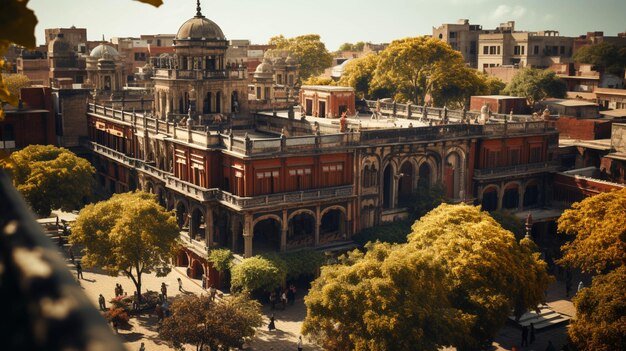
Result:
x=318 y=222
x=247 y=236
x=283 y=232
x=208 y=225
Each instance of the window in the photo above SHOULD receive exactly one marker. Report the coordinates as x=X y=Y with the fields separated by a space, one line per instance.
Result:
x=535 y=155
x=492 y=50
x=536 y=50
x=523 y=49
x=498 y=49
x=300 y=178
x=518 y=50
x=7 y=137
x=493 y=158
x=266 y=181
x=279 y=79
x=332 y=174
x=485 y=50
x=140 y=56
x=258 y=93
x=514 y=157
x=472 y=49
x=562 y=50
x=452 y=35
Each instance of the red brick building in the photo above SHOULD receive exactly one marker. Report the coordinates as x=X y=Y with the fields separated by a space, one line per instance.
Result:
x=31 y=123
x=500 y=104
x=327 y=101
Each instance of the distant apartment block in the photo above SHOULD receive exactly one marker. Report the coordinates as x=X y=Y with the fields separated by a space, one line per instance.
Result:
x=463 y=37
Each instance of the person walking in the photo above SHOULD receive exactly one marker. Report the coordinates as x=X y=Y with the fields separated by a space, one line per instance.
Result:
x=142 y=347
x=273 y=300
x=291 y=294
x=101 y=302
x=164 y=290
x=212 y=292
x=159 y=312
x=79 y=270
x=272 y=325
x=524 y=335
x=580 y=286
x=532 y=333
x=283 y=299
x=180 y=284
x=300 y=343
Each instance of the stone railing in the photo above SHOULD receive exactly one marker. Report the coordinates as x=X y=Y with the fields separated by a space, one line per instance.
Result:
x=486 y=173
x=285 y=198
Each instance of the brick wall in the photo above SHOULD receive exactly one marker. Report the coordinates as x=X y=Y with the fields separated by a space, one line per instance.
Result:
x=584 y=129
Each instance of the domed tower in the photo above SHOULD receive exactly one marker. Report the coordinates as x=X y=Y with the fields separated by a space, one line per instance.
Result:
x=263 y=80
x=196 y=78
x=105 y=69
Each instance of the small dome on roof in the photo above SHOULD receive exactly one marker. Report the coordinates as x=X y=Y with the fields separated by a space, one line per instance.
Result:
x=104 y=51
x=265 y=67
x=200 y=28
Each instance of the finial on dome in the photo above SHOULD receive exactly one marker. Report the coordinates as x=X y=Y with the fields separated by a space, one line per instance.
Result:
x=198 y=10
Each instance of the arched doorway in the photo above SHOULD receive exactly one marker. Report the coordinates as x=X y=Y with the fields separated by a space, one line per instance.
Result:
x=267 y=234
x=510 y=199
x=198 y=225
x=405 y=184
x=206 y=106
x=161 y=196
x=182 y=216
x=197 y=270
x=453 y=175
x=218 y=102
x=531 y=195
x=301 y=230
x=221 y=225
x=333 y=226
x=182 y=260
x=387 y=186
x=490 y=199
x=425 y=172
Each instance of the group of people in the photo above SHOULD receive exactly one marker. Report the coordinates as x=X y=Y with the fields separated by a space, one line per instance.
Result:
x=286 y=296
x=119 y=291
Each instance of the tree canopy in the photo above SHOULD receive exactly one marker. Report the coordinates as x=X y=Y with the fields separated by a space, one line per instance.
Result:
x=314 y=80
x=257 y=273
x=199 y=321
x=600 y=322
x=599 y=226
x=50 y=177
x=130 y=233
x=309 y=50
x=535 y=85
x=608 y=57
x=358 y=73
x=455 y=281
x=15 y=82
x=358 y=46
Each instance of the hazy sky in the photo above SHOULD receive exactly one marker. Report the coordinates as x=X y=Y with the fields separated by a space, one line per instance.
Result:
x=337 y=21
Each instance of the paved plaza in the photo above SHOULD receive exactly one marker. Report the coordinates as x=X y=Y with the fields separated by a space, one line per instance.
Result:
x=288 y=322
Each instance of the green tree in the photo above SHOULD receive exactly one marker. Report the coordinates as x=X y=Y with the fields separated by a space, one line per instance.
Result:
x=608 y=57
x=258 y=273
x=535 y=85
x=198 y=321
x=50 y=177
x=494 y=84
x=600 y=322
x=358 y=46
x=15 y=82
x=599 y=224
x=358 y=73
x=309 y=50
x=305 y=262
x=488 y=271
x=221 y=259
x=130 y=233
x=415 y=67
x=312 y=80
x=385 y=299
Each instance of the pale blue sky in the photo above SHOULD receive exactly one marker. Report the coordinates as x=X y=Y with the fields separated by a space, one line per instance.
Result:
x=337 y=21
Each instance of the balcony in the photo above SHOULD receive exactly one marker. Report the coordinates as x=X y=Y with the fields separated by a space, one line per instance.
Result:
x=111 y=154
x=514 y=171
x=245 y=203
x=188 y=189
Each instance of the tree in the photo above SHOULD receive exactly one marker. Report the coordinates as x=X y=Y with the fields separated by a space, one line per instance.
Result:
x=608 y=57
x=50 y=177
x=199 y=321
x=312 y=80
x=130 y=233
x=600 y=322
x=308 y=50
x=415 y=67
x=358 y=73
x=385 y=299
x=221 y=259
x=358 y=46
x=258 y=273
x=304 y=262
x=489 y=272
x=535 y=85
x=599 y=224
x=15 y=82
x=494 y=84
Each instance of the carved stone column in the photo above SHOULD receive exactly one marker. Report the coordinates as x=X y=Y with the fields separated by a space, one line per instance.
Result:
x=247 y=236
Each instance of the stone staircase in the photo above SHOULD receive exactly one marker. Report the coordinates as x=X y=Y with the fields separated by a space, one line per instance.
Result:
x=544 y=318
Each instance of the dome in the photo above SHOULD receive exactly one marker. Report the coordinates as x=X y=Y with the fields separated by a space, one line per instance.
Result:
x=59 y=46
x=264 y=67
x=200 y=27
x=104 y=51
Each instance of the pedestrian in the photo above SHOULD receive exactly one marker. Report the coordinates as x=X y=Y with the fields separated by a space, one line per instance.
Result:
x=159 y=312
x=79 y=270
x=550 y=346
x=580 y=286
x=273 y=300
x=532 y=333
x=283 y=299
x=291 y=294
x=164 y=290
x=300 y=343
x=101 y=302
x=272 y=325
x=71 y=253
x=136 y=301
x=180 y=284
x=212 y=292
x=524 y=335
x=142 y=347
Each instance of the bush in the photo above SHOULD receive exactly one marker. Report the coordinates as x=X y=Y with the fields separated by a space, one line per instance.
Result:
x=149 y=300
x=221 y=259
x=303 y=262
x=118 y=315
x=393 y=233
x=258 y=273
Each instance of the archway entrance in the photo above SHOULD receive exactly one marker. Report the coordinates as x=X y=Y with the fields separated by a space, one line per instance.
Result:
x=333 y=226
x=182 y=260
x=182 y=218
x=301 y=230
x=424 y=180
x=510 y=200
x=198 y=225
x=453 y=175
x=387 y=186
x=531 y=195
x=405 y=184
x=197 y=270
x=267 y=235
x=490 y=199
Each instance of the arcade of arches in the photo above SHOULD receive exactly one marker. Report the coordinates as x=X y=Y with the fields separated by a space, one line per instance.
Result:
x=510 y=196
